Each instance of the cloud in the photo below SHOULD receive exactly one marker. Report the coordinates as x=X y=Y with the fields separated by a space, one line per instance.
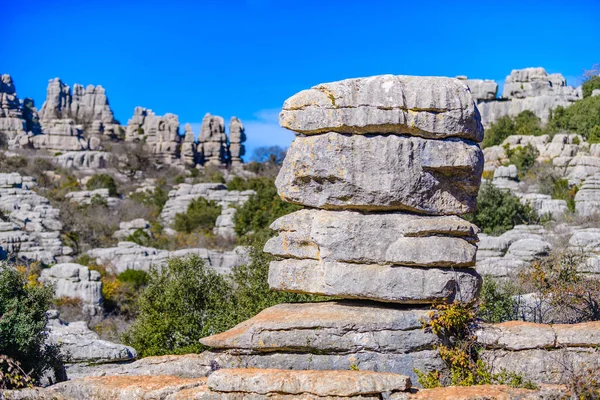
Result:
x=262 y=130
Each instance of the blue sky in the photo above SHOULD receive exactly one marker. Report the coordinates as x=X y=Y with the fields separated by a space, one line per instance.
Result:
x=245 y=58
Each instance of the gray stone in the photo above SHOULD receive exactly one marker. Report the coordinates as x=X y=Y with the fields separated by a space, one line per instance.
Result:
x=84 y=160
x=587 y=199
x=127 y=228
x=75 y=281
x=159 y=133
x=310 y=327
x=400 y=238
x=87 y=197
x=595 y=92
x=528 y=249
x=320 y=383
x=387 y=283
x=431 y=107
x=335 y=171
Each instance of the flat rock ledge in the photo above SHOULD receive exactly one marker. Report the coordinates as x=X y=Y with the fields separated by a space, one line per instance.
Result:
x=347 y=236
x=319 y=383
x=382 y=172
x=386 y=283
x=431 y=107
x=311 y=327
x=167 y=387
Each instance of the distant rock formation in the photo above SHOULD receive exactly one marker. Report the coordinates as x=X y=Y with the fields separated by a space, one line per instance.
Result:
x=74 y=120
x=525 y=89
x=160 y=133
x=213 y=141
x=16 y=117
x=87 y=107
x=237 y=137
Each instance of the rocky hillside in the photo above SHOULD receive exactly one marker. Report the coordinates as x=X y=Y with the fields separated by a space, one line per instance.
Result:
x=450 y=254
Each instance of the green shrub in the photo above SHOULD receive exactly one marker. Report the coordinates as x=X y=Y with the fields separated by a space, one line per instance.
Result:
x=499 y=131
x=140 y=237
x=499 y=211
x=523 y=157
x=201 y=215
x=252 y=293
x=563 y=191
x=157 y=198
x=496 y=302
x=581 y=117
x=135 y=278
x=261 y=209
x=102 y=181
x=589 y=86
x=526 y=123
x=22 y=325
x=182 y=303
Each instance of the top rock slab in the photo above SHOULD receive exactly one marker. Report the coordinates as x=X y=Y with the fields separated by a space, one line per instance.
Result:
x=430 y=107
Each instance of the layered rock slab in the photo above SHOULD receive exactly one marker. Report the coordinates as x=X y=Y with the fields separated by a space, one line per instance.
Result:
x=385 y=283
x=382 y=172
x=433 y=107
x=332 y=327
x=399 y=238
x=319 y=383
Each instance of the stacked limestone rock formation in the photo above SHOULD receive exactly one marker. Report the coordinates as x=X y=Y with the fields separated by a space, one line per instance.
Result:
x=16 y=118
x=385 y=164
x=189 y=147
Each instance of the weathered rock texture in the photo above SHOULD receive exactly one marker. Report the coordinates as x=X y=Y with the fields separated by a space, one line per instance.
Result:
x=12 y=120
x=32 y=229
x=160 y=133
x=372 y=147
x=75 y=281
x=541 y=352
x=430 y=107
x=129 y=255
x=382 y=172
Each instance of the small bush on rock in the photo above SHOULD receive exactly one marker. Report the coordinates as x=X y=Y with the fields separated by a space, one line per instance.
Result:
x=201 y=215
x=496 y=302
x=261 y=209
x=455 y=322
x=523 y=157
x=581 y=117
x=103 y=181
x=22 y=329
x=499 y=210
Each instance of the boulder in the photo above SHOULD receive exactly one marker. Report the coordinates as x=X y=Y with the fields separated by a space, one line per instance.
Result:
x=212 y=141
x=430 y=107
x=386 y=283
x=237 y=137
x=382 y=172
x=482 y=89
x=347 y=236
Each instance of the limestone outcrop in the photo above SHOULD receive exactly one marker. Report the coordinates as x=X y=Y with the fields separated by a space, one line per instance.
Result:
x=87 y=107
x=79 y=344
x=183 y=194
x=160 y=133
x=386 y=164
x=129 y=255
x=12 y=121
x=75 y=281
x=530 y=89
x=237 y=137
x=32 y=229
x=212 y=142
